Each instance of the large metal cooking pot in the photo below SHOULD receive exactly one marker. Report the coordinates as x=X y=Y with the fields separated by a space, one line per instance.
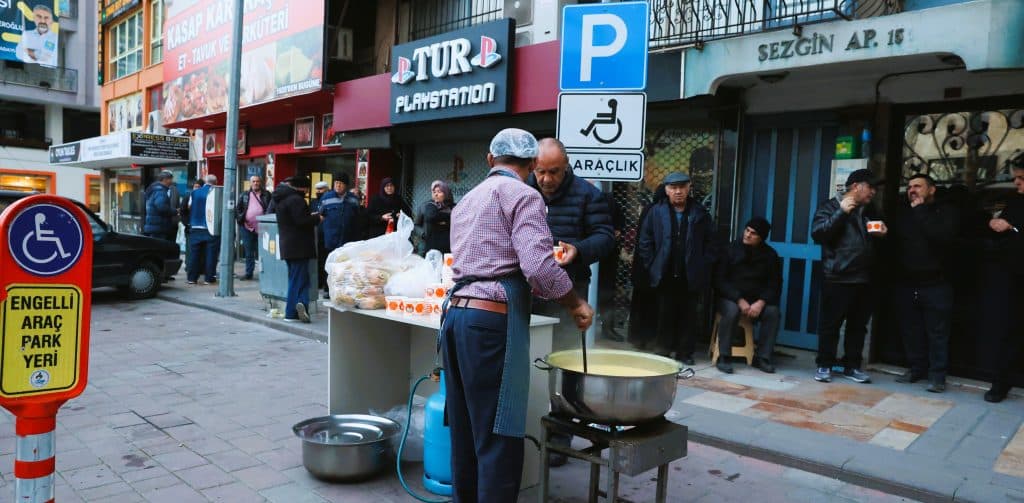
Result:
x=620 y=388
x=346 y=447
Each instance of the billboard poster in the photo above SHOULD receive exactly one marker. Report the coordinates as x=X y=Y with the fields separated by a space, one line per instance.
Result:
x=282 y=54
x=125 y=114
x=29 y=34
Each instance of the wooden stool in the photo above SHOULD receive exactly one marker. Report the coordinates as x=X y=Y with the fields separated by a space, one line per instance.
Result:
x=746 y=350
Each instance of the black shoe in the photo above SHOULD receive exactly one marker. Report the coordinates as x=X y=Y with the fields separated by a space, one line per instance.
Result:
x=764 y=364
x=722 y=366
x=997 y=393
x=936 y=387
x=909 y=377
x=556 y=459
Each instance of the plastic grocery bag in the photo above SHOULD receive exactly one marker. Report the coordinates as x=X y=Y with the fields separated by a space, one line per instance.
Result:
x=414 y=280
x=413 y=450
x=358 y=271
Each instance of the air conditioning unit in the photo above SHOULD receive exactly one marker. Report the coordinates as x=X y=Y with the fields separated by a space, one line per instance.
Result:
x=343 y=46
x=537 y=21
x=156 y=123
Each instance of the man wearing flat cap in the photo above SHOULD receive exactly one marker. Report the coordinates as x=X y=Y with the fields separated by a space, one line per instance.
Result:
x=501 y=247
x=676 y=248
x=748 y=281
x=840 y=226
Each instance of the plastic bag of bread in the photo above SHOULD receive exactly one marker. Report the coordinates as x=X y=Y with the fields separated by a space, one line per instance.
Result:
x=358 y=272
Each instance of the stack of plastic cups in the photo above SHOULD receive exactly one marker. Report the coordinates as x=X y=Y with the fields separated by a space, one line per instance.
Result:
x=446 y=270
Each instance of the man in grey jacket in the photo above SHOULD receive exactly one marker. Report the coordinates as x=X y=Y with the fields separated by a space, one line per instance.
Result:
x=847 y=253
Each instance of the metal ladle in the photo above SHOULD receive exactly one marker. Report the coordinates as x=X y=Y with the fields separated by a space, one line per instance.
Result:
x=583 y=346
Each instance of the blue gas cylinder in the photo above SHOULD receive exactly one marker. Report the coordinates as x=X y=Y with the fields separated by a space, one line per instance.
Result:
x=437 y=445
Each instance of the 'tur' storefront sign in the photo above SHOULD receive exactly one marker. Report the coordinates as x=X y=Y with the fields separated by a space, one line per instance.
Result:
x=458 y=74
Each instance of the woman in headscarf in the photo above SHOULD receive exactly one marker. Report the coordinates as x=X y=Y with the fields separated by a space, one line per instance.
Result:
x=435 y=216
x=384 y=208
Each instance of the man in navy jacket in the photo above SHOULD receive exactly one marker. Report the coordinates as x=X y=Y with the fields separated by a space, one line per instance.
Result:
x=677 y=250
x=580 y=220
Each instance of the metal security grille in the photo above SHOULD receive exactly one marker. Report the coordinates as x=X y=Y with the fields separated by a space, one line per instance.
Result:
x=691 y=151
x=685 y=22
x=971 y=148
x=462 y=165
x=434 y=17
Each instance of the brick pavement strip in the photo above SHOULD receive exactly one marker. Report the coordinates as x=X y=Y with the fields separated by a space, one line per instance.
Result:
x=241 y=386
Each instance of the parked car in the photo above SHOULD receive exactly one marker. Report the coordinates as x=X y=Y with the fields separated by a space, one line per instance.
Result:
x=136 y=265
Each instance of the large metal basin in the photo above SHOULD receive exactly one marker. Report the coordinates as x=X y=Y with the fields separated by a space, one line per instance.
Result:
x=611 y=392
x=346 y=447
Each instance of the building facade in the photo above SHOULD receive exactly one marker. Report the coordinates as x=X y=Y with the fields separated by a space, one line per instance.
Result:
x=47 y=96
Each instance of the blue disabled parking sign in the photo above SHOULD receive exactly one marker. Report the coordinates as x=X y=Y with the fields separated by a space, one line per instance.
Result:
x=604 y=47
x=45 y=239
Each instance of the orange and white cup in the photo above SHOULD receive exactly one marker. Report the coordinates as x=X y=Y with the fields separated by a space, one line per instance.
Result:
x=437 y=291
x=559 y=253
x=394 y=304
x=449 y=260
x=874 y=226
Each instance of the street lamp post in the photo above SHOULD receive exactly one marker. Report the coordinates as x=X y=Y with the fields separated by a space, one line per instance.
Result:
x=226 y=285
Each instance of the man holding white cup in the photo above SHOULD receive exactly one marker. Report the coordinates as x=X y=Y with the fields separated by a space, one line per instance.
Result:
x=841 y=227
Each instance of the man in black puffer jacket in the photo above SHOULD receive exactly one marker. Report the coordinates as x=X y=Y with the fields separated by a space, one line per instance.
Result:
x=296 y=227
x=840 y=226
x=580 y=221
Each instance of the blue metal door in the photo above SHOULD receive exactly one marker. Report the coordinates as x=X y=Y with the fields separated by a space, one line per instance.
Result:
x=784 y=178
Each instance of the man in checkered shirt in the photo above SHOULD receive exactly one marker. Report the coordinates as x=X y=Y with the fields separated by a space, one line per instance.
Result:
x=502 y=252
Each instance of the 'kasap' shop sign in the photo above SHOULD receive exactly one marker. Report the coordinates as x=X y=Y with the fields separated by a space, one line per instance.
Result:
x=458 y=74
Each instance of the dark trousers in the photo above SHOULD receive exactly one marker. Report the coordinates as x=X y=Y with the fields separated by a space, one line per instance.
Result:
x=849 y=302
x=202 y=253
x=298 y=286
x=250 y=247
x=677 y=313
x=486 y=467
x=767 y=328
x=925 y=320
x=1009 y=344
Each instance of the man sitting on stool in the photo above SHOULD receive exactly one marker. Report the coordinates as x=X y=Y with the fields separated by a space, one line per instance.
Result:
x=748 y=281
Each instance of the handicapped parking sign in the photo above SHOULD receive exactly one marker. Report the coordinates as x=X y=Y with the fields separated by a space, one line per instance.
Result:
x=45 y=239
x=604 y=47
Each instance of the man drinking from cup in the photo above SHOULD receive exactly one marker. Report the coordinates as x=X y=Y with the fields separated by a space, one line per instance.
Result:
x=840 y=226
x=923 y=235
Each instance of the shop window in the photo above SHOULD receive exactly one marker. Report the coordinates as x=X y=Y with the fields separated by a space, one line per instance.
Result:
x=92 y=192
x=126 y=46
x=156 y=32
x=27 y=181
x=974 y=149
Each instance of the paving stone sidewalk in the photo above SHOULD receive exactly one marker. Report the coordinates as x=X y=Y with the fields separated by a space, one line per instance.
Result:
x=187 y=405
x=952 y=446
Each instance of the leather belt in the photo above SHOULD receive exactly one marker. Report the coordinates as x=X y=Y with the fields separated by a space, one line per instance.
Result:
x=484 y=305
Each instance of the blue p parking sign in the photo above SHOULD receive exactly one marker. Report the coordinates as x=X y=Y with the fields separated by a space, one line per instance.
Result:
x=45 y=239
x=604 y=47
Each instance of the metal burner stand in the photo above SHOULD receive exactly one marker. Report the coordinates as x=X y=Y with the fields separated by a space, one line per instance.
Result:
x=631 y=452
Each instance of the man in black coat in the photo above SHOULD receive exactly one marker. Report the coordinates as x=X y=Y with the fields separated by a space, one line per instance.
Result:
x=1007 y=246
x=677 y=249
x=251 y=205
x=580 y=221
x=923 y=235
x=840 y=226
x=748 y=280
x=296 y=227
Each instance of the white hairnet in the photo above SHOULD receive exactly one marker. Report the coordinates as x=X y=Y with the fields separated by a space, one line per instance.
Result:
x=514 y=142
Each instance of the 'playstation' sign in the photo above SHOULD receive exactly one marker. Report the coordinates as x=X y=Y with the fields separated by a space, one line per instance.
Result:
x=457 y=74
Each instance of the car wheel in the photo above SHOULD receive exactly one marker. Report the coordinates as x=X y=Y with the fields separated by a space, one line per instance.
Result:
x=143 y=282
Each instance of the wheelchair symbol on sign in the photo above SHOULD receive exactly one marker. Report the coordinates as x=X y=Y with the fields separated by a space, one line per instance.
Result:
x=602 y=119
x=42 y=235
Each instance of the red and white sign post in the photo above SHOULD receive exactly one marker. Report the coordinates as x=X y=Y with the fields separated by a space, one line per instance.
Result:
x=45 y=304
